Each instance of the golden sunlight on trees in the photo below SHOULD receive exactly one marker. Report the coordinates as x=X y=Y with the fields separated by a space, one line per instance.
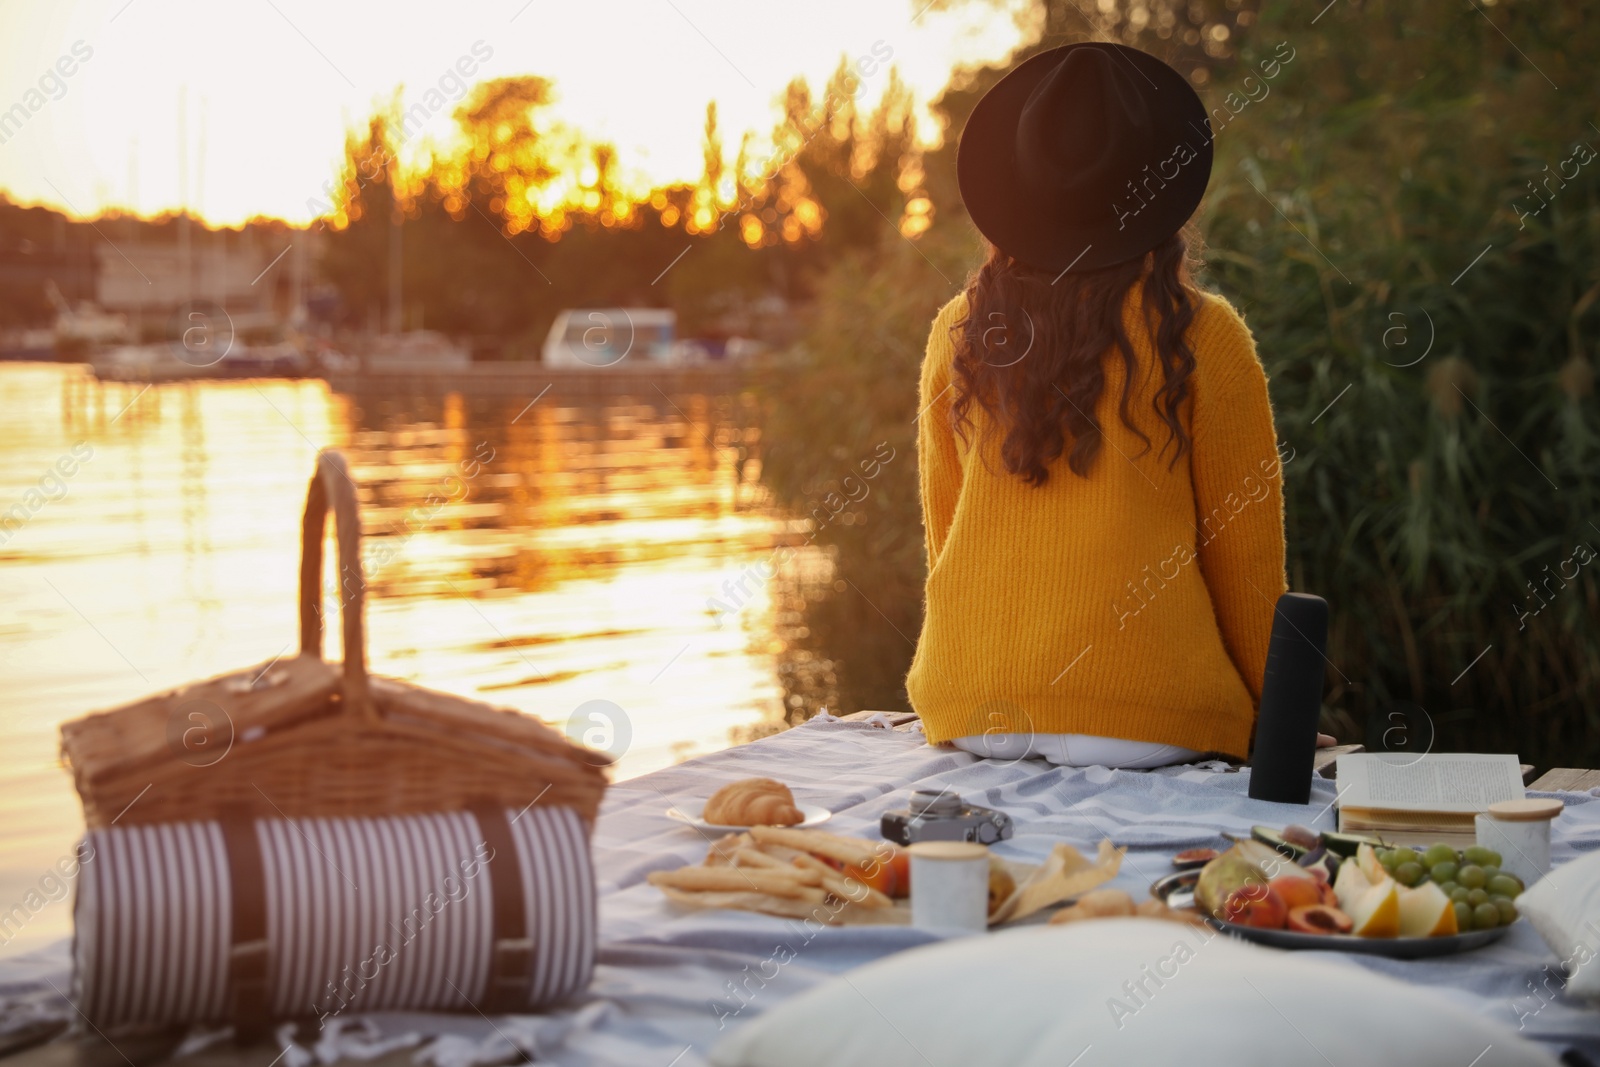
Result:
x=519 y=214
x=530 y=173
x=500 y=217
x=523 y=172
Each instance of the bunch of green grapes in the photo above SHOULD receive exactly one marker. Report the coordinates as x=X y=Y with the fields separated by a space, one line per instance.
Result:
x=1483 y=894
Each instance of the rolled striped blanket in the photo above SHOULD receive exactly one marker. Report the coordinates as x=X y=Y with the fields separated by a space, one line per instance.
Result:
x=247 y=920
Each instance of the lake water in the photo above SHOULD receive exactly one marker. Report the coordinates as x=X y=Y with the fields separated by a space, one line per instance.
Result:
x=536 y=557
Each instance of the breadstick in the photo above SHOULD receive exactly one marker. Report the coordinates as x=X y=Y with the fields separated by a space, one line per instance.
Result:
x=806 y=861
x=754 y=857
x=723 y=849
x=800 y=885
x=843 y=849
x=778 y=852
x=842 y=885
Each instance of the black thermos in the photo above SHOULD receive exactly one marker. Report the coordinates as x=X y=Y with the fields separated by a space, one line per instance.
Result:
x=1291 y=701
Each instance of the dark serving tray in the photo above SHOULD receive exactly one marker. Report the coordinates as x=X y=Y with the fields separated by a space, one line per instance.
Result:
x=1177 y=891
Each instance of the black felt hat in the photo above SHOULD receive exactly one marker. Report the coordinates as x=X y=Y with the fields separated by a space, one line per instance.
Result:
x=1084 y=156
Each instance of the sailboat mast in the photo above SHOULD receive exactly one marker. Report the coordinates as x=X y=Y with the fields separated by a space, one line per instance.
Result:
x=396 y=226
x=185 y=265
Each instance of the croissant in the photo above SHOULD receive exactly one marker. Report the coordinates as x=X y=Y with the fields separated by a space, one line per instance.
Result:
x=753 y=802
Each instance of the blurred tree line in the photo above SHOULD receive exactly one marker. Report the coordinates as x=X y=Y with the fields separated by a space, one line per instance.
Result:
x=35 y=241
x=1408 y=215
x=525 y=217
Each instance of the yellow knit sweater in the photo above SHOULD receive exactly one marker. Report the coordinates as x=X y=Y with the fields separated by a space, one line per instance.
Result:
x=1135 y=603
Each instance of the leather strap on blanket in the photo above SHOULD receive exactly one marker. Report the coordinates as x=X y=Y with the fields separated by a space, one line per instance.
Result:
x=247 y=956
x=511 y=962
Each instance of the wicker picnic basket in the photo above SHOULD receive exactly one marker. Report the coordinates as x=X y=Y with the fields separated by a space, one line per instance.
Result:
x=305 y=737
x=251 y=836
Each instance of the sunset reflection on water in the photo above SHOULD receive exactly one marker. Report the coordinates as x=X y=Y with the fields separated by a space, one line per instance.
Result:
x=535 y=557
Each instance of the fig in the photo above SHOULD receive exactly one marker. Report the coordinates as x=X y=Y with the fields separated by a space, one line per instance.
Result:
x=1322 y=863
x=1293 y=841
x=1302 y=836
x=1319 y=919
x=1194 y=857
x=1273 y=839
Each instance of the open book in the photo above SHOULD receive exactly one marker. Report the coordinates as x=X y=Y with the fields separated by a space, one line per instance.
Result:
x=1437 y=793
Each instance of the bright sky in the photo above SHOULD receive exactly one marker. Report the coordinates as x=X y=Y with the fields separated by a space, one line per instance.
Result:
x=269 y=87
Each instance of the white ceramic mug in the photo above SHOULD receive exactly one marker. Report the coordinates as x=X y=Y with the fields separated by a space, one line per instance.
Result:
x=950 y=886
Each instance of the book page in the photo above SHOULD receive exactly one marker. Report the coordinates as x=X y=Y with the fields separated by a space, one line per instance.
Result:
x=1443 y=781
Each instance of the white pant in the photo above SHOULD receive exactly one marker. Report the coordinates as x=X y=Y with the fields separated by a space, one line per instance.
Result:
x=1076 y=750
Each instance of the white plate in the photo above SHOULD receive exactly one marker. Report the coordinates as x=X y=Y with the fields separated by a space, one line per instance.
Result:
x=689 y=812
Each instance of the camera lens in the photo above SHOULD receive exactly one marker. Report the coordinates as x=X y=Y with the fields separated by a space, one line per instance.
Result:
x=935 y=803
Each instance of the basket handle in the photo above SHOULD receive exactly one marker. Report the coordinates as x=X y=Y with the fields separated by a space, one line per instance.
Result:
x=332 y=485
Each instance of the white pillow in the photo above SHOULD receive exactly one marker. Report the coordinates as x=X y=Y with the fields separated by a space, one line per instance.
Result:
x=1564 y=906
x=1134 y=992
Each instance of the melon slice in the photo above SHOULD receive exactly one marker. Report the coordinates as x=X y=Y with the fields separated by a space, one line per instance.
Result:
x=1425 y=911
x=1376 y=913
x=1373 y=904
x=1367 y=860
x=1352 y=880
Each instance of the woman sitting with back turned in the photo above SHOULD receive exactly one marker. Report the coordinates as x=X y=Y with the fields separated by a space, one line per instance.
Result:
x=1101 y=483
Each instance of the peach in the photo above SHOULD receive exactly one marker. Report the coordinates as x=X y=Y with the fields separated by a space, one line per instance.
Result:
x=1297 y=891
x=878 y=875
x=1319 y=919
x=900 y=866
x=1256 y=904
x=888 y=870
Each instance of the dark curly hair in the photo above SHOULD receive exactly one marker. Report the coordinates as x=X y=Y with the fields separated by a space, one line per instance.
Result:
x=1031 y=352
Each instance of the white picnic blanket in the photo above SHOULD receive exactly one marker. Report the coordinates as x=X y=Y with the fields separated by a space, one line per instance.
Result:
x=671 y=981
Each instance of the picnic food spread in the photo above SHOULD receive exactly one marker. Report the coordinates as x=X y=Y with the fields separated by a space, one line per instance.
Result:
x=1379 y=892
x=835 y=879
x=752 y=802
x=1275 y=885
x=795 y=874
x=1481 y=893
